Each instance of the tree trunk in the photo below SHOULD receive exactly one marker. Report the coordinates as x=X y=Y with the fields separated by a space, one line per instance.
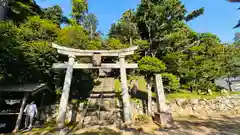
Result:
x=149 y=89
x=150 y=38
x=149 y=34
x=229 y=84
x=131 y=41
x=91 y=31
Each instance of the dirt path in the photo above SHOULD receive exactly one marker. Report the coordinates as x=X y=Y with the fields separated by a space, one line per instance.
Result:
x=214 y=125
x=217 y=125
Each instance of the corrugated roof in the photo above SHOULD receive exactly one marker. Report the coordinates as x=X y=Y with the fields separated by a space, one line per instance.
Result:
x=23 y=88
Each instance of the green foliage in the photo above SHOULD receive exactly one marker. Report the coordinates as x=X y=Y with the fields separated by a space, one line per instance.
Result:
x=38 y=54
x=54 y=13
x=95 y=44
x=171 y=82
x=31 y=53
x=143 y=45
x=90 y=23
x=115 y=44
x=73 y=36
x=9 y=52
x=194 y=14
x=151 y=65
x=36 y=28
x=79 y=10
x=237 y=39
x=126 y=29
x=19 y=10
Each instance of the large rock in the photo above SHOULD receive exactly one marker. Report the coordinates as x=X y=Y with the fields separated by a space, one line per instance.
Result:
x=180 y=102
x=163 y=119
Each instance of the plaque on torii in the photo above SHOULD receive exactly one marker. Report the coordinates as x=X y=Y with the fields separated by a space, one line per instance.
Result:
x=96 y=64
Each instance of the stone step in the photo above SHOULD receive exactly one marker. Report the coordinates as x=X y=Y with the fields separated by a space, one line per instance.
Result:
x=106 y=84
x=104 y=95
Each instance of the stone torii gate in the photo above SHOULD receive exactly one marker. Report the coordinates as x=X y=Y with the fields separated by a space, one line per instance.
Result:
x=96 y=55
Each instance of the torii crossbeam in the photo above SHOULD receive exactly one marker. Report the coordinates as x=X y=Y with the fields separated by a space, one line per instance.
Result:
x=72 y=53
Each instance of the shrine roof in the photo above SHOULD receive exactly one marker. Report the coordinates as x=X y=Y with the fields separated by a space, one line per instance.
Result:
x=33 y=88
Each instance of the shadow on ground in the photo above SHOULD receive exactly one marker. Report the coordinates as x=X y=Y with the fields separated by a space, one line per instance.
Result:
x=223 y=125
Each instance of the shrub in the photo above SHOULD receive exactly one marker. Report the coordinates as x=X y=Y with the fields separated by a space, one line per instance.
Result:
x=170 y=82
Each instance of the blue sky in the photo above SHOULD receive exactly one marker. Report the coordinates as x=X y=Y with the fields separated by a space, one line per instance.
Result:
x=219 y=18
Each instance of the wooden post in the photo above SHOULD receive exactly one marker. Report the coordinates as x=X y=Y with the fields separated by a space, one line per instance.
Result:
x=125 y=96
x=163 y=117
x=19 y=118
x=65 y=93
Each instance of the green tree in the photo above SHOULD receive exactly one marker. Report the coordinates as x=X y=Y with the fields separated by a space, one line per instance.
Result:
x=79 y=10
x=10 y=54
x=148 y=66
x=126 y=28
x=237 y=39
x=37 y=35
x=90 y=23
x=27 y=47
x=202 y=63
x=19 y=10
x=73 y=36
x=115 y=44
x=157 y=19
x=230 y=62
x=54 y=14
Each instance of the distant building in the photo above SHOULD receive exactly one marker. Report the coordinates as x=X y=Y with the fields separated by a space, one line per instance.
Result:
x=3 y=8
x=233 y=83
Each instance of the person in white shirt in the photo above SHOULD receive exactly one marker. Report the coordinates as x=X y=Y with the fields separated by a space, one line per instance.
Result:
x=30 y=112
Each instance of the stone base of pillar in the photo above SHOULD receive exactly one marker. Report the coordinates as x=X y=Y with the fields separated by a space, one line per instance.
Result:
x=163 y=119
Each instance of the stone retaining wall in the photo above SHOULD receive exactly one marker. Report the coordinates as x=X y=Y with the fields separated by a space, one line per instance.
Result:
x=203 y=107
x=178 y=107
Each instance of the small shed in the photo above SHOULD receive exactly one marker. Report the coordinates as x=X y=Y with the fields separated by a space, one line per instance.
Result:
x=17 y=94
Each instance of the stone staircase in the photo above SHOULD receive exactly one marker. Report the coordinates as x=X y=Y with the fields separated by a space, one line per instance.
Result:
x=100 y=107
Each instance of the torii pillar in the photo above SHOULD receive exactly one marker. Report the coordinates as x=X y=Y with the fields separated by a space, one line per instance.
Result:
x=65 y=93
x=125 y=96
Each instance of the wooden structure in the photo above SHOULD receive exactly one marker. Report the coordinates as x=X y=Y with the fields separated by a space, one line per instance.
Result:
x=24 y=90
x=96 y=55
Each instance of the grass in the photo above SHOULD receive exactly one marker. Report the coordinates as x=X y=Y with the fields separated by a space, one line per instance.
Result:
x=101 y=131
x=141 y=85
x=235 y=93
x=188 y=95
x=178 y=95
